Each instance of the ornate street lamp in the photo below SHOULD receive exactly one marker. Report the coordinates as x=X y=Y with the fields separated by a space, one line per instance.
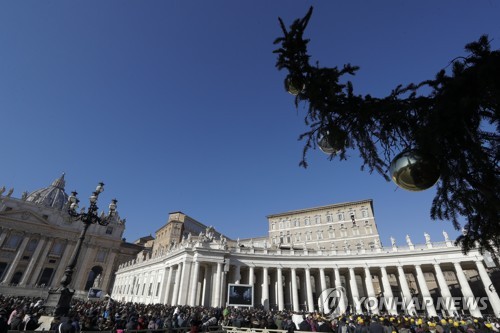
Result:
x=60 y=298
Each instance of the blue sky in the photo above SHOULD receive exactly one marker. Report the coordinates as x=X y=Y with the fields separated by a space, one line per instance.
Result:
x=177 y=105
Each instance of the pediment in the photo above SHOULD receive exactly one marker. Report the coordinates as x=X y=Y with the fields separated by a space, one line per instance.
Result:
x=25 y=216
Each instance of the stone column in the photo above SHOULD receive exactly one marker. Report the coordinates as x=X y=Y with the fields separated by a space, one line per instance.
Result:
x=322 y=281
x=205 y=293
x=40 y=263
x=389 y=300
x=408 y=301
x=370 y=291
x=107 y=274
x=445 y=291
x=424 y=290
x=295 y=295
x=310 y=300
x=183 y=287
x=175 y=295
x=68 y=251
x=165 y=285
x=489 y=288
x=83 y=270
x=354 y=290
x=281 y=301
x=237 y=274
x=265 y=288
x=33 y=262
x=467 y=291
x=251 y=275
x=194 y=288
x=218 y=278
x=338 y=285
x=15 y=262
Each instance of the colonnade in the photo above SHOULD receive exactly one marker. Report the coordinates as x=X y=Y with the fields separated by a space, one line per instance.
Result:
x=298 y=287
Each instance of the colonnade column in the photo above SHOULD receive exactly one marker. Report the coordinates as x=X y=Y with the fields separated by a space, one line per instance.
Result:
x=389 y=300
x=467 y=291
x=338 y=285
x=424 y=290
x=194 y=280
x=251 y=274
x=218 y=278
x=370 y=290
x=265 y=288
x=237 y=274
x=175 y=294
x=166 y=287
x=445 y=291
x=492 y=295
x=33 y=262
x=354 y=290
x=15 y=262
x=295 y=295
x=281 y=301
x=310 y=300
x=322 y=281
x=205 y=290
x=407 y=301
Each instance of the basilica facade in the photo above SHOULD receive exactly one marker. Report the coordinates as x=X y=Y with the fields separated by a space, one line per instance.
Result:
x=332 y=249
x=37 y=240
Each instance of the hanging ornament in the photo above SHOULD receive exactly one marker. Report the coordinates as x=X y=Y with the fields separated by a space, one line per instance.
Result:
x=294 y=85
x=324 y=143
x=413 y=170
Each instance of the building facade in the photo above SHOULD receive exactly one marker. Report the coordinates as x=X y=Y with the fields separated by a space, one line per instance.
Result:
x=308 y=252
x=37 y=239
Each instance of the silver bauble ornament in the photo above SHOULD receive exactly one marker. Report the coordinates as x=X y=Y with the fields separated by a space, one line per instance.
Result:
x=324 y=143
x=294 y=85
x=413 y=170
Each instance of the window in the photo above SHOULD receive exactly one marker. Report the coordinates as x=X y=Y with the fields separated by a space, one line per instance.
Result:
x=57 y=249
x=13 y=242
x=32 y=245
x=109 y=230
x=281 y=225
x=273 y=226
x=353 y=216
x=340 y=216
x=342 y=226
x=309 y=235
x=355 y=231
x=307 y=221
x=329 y=218
x=288 y=225
x=364 y=213
x=331 y=232
x=343 y=233
x=296 y=222
x=320 y=234
x=368 y=230
x=317 y=219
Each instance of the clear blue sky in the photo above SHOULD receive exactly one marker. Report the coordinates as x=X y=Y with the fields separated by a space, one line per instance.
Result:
x=177 y=105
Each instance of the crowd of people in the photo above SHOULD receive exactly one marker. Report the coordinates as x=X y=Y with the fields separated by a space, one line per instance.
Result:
x=23 y=314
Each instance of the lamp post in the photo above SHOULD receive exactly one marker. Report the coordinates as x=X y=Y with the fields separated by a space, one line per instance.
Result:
x=60 y=298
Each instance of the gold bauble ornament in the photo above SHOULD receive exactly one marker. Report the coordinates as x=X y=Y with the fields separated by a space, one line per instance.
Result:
x=413 y=170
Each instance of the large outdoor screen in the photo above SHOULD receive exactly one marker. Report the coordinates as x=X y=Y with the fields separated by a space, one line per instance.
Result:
x=240 y=295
